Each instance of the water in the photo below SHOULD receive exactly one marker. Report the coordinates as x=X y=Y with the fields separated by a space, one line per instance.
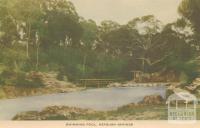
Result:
x=97 y=99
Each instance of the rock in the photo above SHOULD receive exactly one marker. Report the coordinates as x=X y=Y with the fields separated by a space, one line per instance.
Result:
x=134 y=84
x=173 y=86
x=114 y=85
x=131 y=105
x=50 y=79
x=125 y=84
x=34 y=74
x=152 y=100
x=129 y=84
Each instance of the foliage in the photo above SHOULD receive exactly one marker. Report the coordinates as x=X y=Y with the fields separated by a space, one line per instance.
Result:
x=188 y=71
x=22 y=81
x=19 y=79
x=189 y=9
x=49 y=35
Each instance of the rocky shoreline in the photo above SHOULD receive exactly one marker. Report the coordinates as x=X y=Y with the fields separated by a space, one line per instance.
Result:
x=134 y=84
x=142 y=110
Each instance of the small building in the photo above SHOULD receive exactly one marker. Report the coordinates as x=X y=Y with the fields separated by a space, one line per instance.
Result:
x=182 y=107
x=137 y=76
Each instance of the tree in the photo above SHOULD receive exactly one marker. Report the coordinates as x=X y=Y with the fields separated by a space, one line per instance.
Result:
x=88 y=40
x=25 y=17
x=121 y=42
x=190 y=9
x=62 y=24
x=173 y=45
x=8 y=25
x=90 y=33
x=19 y=23
x=148 y=27
x=105 y=29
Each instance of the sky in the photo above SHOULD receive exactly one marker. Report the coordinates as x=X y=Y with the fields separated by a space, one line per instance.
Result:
x=123 y=11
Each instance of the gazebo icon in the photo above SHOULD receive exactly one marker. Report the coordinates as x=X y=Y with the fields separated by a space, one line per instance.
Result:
x=182 y=107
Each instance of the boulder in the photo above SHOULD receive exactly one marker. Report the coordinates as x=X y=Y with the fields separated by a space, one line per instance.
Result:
x=126 y=84
x=129 y=84
x=115 y=85
x=152 y=100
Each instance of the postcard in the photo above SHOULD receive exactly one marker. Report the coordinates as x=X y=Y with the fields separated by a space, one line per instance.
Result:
x=99 y=63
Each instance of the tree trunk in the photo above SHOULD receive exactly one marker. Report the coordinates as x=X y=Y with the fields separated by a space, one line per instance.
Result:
x=16 y=66
x=84 y=64
x=37 y=60
x=28 y=39
x=27 y=49
x=143 y=65
x=37 y=51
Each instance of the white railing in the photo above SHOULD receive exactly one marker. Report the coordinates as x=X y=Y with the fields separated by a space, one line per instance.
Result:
x=181 y=114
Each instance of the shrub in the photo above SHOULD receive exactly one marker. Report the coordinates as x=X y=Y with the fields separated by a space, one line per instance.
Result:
x=22 y=81
x=7 y=76
x=188 y=70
